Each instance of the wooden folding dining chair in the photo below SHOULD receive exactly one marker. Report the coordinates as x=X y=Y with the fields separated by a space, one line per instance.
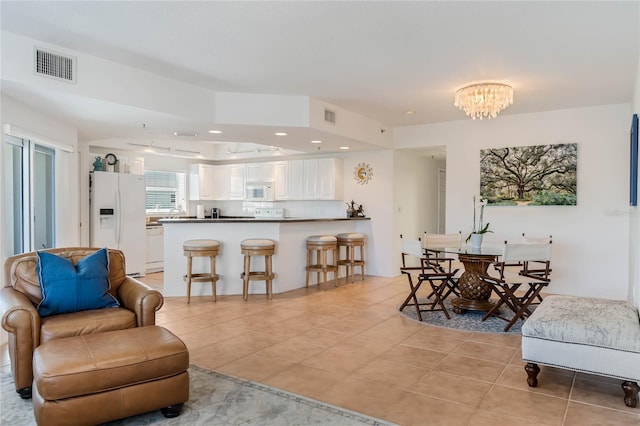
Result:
x=507 y=284
x=536 y=269
x=421 y=271
x=444 y=262
x=437 y=258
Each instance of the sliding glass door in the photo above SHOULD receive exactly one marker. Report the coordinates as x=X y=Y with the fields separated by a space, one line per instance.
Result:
x=43 y=200
x=14 y=197
x=29 y=195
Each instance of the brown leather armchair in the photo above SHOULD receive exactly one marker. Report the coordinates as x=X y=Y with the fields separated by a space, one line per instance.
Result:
x=27 y=330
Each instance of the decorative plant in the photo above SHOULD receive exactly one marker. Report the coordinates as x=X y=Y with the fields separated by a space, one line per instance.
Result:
x=479 y=227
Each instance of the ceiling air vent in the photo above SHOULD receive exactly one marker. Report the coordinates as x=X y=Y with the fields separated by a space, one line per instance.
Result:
x=329 y=116
x=54 y=65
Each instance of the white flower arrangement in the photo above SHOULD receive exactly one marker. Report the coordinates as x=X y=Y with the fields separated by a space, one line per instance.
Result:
x=479 y=227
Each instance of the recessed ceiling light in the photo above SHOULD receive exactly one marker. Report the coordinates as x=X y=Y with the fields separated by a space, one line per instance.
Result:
x=316 y=141
x=280 y=134
x=410 y=112
x=215 y=131
x=192 y=134
x=344 y=147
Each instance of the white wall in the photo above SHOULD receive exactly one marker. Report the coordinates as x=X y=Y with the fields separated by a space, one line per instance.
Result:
x=107 y=82
x=415 y=195
x=590 y=240
x=376 y=198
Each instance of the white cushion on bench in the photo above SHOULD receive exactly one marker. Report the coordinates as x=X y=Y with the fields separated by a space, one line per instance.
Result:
x=587 y=321
x=597 y=336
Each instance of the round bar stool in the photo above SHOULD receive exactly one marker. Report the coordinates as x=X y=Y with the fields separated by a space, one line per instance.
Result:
x=205 y=248
x=257 y=247
x=350 y=241
x=320 y=245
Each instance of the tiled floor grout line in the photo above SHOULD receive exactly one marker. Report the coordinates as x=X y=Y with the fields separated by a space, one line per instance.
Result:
x=367 y=306
x=376 y=348
x=566 y=410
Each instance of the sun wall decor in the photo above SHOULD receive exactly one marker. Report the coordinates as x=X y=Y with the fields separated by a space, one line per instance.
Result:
x=362 y=173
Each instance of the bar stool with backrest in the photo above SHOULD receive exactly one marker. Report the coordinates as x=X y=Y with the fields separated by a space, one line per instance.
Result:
x=351 y=241
x=201 y=248
x=257 y=247
x=320 y=245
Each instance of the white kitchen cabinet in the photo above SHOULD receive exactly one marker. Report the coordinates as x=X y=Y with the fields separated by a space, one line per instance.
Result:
x=220 y=183
x=282 y=180
x=329 y=182
x=261 y=172
x=236 y=181
x=310 y=179
x=323 y=179
x=201 y=182
x=155 y=249
x=296 y=179
x=289 y=180
x=228 y=182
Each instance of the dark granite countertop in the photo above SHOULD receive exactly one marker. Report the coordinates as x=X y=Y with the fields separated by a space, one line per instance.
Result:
x=254 y=220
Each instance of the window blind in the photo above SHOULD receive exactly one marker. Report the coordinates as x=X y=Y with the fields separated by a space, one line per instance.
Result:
x=164 y=191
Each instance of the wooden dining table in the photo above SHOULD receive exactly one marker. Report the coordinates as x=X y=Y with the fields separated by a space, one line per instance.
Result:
x=474 y=293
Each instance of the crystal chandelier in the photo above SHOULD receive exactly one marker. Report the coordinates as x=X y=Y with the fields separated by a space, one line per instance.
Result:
x=484 y=99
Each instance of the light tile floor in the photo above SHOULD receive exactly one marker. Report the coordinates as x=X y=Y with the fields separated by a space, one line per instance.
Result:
x=350 y=347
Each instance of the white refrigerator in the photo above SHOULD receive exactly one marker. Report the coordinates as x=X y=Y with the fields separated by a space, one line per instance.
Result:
x=118 y=216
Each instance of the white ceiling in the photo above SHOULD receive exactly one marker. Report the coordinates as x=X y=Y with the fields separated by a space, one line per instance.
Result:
x=377 y=59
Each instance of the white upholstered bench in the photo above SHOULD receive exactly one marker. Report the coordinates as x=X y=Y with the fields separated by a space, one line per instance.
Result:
x=596 y=336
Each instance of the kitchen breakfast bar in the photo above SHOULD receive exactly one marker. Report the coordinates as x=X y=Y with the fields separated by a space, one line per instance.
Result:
x=289 y=261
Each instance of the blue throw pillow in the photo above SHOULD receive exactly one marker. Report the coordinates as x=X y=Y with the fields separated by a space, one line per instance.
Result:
x=70 y=288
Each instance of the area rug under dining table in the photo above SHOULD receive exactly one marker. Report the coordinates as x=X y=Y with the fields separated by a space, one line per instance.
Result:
x=215 y=399
x=470 y=320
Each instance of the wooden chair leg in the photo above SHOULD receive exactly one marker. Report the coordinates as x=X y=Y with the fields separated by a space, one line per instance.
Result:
x=499 y=303
x=318 y=256
x=213 y=276
x=412 y=295
x=523 y=307
x=308 y=264
x=189 y=272
x=245 y=277
x=437 y=294
x=324 y=267
x=350 y=262
x=267 y=261
x=362 y=264
x=334 y=260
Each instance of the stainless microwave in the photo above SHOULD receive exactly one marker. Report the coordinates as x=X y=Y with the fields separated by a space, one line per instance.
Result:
x=262 y=191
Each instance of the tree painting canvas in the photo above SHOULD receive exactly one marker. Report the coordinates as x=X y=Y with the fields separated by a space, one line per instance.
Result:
x=537 y=175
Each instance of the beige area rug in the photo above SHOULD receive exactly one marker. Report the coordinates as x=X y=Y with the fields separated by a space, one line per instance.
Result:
x=215 y=399
x=470 y=320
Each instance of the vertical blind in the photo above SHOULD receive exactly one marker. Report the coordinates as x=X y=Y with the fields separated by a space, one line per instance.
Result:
x=164 y=191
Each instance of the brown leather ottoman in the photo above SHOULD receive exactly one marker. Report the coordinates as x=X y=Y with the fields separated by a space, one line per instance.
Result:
x=96 y=378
